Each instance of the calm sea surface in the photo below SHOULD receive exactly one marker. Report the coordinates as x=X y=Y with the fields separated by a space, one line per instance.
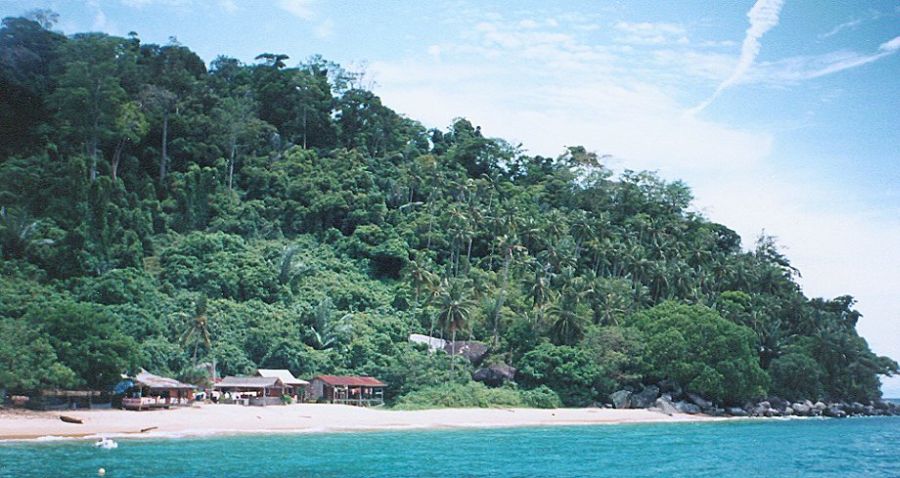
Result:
x=858 y=447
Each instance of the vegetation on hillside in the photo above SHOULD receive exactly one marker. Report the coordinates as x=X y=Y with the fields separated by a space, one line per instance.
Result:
x=160 y=213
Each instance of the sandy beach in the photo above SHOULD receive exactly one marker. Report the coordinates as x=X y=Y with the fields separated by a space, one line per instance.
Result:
x=232 y=419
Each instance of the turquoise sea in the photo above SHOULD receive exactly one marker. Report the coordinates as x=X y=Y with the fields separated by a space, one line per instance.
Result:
x=857 y=447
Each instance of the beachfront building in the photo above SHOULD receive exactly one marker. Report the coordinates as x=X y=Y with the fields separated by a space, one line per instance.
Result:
x=293 y=386
x=147 y=391
x=260 y=391
x=348 y=390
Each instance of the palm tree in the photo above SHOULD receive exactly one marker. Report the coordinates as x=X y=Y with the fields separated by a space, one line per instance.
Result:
x=509 y=246
x=17 y=233
x=568 y=325
x=455 y=310
x=196 y=330
x=540 y=290
x=327 y=332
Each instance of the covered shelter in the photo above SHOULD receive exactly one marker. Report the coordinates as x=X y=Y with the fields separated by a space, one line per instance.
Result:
x=293 y=386
x=252 y=390
x=147 y=391
x=348 y=390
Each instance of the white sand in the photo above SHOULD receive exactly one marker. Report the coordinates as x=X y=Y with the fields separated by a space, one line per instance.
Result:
x=225 y=419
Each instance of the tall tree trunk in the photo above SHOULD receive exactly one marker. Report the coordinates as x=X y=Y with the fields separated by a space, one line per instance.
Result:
x=117 y=156
x=164 y=160
x=92 y=151
x=452 y=353
x=501 y=298
x=231 y=166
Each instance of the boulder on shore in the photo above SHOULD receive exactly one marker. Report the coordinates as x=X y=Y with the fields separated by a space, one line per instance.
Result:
x=699 y=401
x=665 y=405
x=736 y=412
x=645 y=398
x=621 y=399
x=495 y=375
x=687 y=407
x=801 y=409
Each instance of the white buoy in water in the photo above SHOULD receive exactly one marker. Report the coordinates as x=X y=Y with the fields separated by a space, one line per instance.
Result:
x=101 y=472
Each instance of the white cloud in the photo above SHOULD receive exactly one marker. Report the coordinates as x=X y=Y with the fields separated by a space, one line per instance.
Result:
x=647 y=33
x=325 y=29
x=796 y=69
x=301 y=9
x=763 y=17
x=100 y=21
x=852 y=24
x=890 y=45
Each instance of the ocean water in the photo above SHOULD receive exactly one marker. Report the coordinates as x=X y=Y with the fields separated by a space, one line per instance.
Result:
x=857 y=447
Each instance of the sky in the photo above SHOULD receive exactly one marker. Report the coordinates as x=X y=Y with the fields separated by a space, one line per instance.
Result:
x=782 y=115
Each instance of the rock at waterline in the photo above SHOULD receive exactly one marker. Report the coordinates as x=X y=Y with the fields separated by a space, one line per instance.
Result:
x=687 y=407
x=699 y=401
x=666 y=406
x=621 y=399
x=645 y=398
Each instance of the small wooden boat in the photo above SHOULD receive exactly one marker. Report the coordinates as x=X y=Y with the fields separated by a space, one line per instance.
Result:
x=71 y=419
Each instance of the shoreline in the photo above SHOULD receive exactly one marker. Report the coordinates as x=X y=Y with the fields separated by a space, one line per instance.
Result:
x=230 y=420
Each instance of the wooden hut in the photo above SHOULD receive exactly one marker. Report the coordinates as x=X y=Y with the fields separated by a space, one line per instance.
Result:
x=149 y=391
x=348 y=390
x=293 y=386
x=252 y=390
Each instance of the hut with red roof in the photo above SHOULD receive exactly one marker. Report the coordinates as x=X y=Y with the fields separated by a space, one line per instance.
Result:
x=347 y=390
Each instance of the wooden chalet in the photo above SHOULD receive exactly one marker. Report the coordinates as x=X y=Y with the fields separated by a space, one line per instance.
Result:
x=348 y=390
x=293 y=386
x=260 y=391
x=147 y=391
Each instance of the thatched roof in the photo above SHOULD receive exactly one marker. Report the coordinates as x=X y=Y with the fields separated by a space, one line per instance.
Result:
x=150 y=380
x=284 y=375
x=249 y=382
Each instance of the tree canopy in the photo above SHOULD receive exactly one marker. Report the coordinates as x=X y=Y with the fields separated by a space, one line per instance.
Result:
x=160 y=213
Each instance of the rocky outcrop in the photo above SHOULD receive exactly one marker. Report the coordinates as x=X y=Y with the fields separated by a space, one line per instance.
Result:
x=776 y=407
x=687 y=407
x=646 y=398
x=670 y=387
x=802 y=409
x=473 y=351
x=495 y=375
x=699 y=401
x=621 y=399
x=665 y=405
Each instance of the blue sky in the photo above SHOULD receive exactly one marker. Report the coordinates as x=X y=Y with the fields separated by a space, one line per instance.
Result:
x=801 y=139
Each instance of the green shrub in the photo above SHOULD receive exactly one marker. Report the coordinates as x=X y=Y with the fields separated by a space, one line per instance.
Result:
x=541 y=397
x=470 y=395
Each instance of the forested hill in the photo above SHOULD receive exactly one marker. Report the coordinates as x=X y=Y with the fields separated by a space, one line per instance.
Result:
x=160 y=213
